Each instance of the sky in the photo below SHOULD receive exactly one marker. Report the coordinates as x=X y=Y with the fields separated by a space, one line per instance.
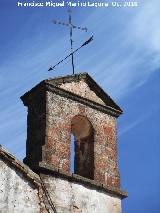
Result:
x=123 y=58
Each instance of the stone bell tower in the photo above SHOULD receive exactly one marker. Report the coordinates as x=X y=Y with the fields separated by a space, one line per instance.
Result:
x=75 y=105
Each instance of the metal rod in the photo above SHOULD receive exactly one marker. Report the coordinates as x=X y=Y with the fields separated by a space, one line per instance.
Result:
x=71 y=41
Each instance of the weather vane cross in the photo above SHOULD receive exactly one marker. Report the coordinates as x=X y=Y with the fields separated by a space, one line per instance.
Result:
x=71 y=27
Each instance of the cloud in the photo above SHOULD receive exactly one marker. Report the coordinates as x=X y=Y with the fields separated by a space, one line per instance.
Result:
x=146 y=25
x=141 y=119
x=128 y=47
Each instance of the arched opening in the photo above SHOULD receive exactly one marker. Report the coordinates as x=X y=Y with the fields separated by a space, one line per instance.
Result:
x=83 y=133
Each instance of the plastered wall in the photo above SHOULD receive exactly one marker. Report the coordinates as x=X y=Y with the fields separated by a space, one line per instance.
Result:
x=69 y=197
x=17 y=195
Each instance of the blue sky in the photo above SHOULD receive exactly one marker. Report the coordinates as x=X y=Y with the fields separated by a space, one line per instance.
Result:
x=124 y=59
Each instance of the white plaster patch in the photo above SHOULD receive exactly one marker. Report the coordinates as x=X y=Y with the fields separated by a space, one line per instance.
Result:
x=16 y=194
x=75 y=198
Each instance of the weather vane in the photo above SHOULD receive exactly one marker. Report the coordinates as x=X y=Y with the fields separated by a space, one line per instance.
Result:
x=71 y=27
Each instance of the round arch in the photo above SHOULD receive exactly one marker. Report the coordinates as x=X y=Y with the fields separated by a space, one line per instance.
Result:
x=83 y=133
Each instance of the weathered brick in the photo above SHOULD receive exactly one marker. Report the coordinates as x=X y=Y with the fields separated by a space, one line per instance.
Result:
x=49 y=124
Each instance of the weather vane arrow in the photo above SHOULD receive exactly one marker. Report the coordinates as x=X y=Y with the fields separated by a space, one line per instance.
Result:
x=84 y=44
x=71 y=27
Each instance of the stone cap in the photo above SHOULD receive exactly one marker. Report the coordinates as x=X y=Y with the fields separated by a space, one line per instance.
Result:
x=20 y=167
x=52 y=84
x=50 y=171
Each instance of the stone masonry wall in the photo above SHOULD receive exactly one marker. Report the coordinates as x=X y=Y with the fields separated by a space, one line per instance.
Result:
x=60 y=112
x=17 y=195
x=70 y=197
